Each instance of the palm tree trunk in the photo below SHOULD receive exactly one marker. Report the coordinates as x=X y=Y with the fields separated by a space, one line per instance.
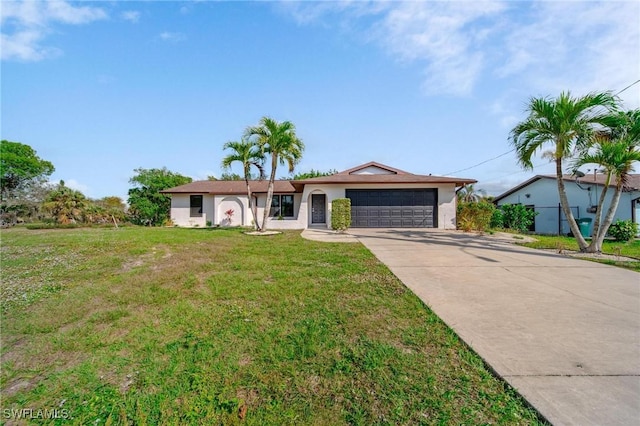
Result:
x=608 y=219
x=564 y=202
x=272 y=178
x=252 y=206
x=597 y=236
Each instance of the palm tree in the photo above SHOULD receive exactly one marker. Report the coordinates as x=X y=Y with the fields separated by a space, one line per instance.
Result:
x=281 y=142
x=470 y=194
x=566 y=123
x=66 y=205
x=616 y=150
x=247 y=153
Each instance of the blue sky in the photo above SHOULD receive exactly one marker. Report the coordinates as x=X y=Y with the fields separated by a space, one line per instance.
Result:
x=102 y=88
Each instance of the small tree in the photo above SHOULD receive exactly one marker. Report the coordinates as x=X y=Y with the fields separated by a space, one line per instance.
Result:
x=341 y=214
x=147 y=206
x=66 y=205
x=247 y=153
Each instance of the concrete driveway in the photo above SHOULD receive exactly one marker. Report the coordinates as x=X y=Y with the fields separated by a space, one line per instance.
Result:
x=564 y=332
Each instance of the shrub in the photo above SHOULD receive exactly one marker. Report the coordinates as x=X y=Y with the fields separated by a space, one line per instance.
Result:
x=517 y=217
x=623 y=230
x=474 y=216
x=497 y=219
x=341 y=214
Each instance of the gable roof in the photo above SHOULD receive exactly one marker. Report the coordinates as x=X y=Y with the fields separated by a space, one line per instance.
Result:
x=633 y=183
x=388 y=175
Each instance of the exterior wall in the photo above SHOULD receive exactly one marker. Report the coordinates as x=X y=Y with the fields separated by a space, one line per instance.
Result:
x=543 y=195
x=181 y=211
x=215 y=206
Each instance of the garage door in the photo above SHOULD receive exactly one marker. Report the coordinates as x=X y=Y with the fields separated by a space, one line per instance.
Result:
x=396 y=208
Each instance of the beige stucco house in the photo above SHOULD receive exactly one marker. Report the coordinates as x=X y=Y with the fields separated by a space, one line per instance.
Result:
x=381 y=197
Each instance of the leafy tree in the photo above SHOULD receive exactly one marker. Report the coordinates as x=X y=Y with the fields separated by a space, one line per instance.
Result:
x=23 y=177
x=147 y=206
x=105 y=210
x=469 y=194
x=615 y=149
x=250 y=155
x=66 y=205
x=313 y=174
x=233 y=176
x=279 y=140
x=20 y=165
x=565 y=123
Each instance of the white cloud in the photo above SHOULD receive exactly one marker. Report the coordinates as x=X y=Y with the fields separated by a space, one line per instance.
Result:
x=172 y=37
x=25 y=24
x=131 y=16
x=535 y=47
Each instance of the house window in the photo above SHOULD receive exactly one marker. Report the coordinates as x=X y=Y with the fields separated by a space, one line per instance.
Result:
x=281 y=205
x=195 y=204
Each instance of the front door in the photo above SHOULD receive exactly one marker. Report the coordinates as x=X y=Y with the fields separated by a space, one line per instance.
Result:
x=318 y=202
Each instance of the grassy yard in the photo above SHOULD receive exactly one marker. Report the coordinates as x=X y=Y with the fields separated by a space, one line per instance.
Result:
x=628 y=249
x=179 y=326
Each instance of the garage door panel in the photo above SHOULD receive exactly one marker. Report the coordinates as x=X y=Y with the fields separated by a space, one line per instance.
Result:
x=372 y=208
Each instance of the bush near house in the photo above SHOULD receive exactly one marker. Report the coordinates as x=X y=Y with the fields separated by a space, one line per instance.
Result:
x=517 y=217
x=474 y=216
x=623 y=230
x=341 y=214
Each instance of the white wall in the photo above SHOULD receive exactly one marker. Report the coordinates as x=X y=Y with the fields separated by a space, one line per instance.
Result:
x=543 y=194
x=215 y=206
x=181 y=210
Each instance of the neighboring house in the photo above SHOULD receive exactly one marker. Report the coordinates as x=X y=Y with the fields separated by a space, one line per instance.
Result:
x=541 y=194
x=381 y=197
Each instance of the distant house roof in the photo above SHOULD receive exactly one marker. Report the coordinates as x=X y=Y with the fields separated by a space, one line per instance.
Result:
x=633 y=182
x=371 y=172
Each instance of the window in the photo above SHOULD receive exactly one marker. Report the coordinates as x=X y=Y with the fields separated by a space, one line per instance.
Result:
x=195 y=204
x=281 y=205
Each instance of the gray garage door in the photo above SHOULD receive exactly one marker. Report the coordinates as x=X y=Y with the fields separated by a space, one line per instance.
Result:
x=395 y=208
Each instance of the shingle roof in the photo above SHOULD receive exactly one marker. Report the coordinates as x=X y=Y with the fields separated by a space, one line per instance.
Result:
x=229 y=187
x=284 y=186
x=633 y=183
x=395 y=176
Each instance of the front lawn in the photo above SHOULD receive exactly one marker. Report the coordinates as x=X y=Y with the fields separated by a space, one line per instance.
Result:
x=201 y=326
x=629 y=249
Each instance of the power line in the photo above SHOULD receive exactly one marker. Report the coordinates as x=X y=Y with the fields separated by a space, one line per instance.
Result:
x=481 y=163
x=508 y=152
x=632 y=84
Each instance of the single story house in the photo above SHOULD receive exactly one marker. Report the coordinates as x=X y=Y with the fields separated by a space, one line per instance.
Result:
x=540 y=193
x=381 y=197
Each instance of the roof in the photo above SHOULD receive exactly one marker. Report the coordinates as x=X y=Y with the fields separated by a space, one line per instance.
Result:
x=229 y=187
x=359 y=174
x=633 y=183
x=391 y=175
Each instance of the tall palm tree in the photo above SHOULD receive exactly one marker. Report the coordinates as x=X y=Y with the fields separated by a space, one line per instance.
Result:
x=566 y=123
x=250 y=155
x=279 y=140
x=616 y=149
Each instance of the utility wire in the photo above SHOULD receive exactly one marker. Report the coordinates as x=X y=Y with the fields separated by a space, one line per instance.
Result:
x=481 y=163
x=508 y=152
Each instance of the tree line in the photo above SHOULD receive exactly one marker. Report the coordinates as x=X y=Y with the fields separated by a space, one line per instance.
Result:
x=28 y=196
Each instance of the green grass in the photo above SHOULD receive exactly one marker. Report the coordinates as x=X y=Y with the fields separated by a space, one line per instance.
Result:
x=178 y=326
x=629 y=249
